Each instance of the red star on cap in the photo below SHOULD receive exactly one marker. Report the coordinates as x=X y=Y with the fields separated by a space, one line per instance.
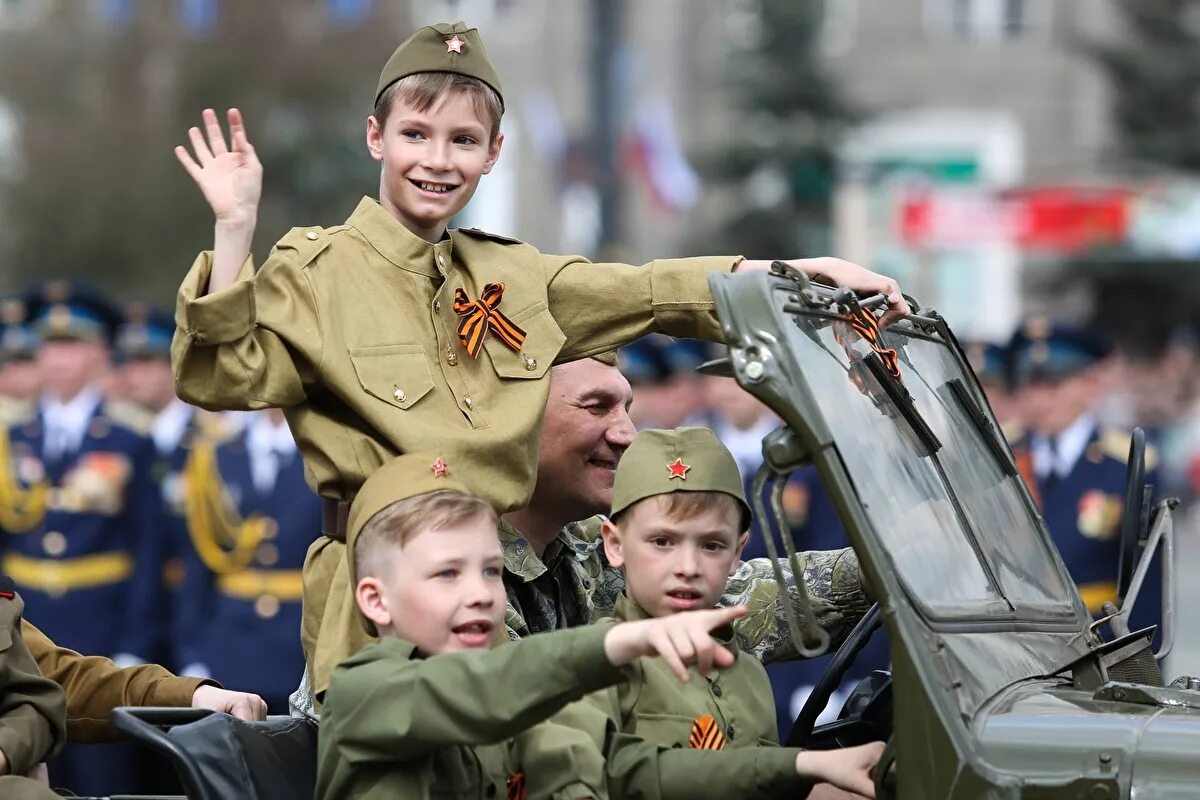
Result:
x=678 y=469
x=455 y=44
x=440 y=469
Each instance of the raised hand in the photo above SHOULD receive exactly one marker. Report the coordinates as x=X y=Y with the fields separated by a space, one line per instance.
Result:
x=679 y=639
x=230 y=179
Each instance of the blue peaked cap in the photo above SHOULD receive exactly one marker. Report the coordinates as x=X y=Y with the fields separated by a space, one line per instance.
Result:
x=1044 y=350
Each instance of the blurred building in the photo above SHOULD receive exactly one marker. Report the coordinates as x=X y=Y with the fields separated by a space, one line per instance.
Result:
x=987 y=152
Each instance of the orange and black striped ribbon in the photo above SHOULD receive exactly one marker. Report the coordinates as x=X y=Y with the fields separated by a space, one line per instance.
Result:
x=706 y=734
x=515 y=787
x=483 y=315
x=866 y=326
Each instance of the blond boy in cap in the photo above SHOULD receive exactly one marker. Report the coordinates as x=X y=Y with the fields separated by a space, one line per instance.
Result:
x=432 y=709
x=391 y=333
x=677 y=529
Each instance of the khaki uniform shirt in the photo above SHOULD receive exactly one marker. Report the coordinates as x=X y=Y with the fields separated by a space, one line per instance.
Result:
x=637 y=768
x=395 y=725
x=32 y=707
x=94 y=686
x=655 y=705
x=352 y=330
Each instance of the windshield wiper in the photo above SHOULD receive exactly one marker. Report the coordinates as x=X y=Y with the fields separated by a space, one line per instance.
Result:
x=902 y=401
x=983 y=426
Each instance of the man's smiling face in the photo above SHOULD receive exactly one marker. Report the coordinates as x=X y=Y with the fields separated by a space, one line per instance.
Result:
x=586 y=429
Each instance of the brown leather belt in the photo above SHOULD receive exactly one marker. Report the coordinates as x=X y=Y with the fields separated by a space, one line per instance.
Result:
x=334 y=514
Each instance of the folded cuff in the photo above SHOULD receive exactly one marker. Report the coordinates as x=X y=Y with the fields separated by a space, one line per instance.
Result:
x=682 y=302
x=219 y=317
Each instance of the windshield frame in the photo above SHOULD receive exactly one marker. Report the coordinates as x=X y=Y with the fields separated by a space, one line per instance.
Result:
x=785 y=388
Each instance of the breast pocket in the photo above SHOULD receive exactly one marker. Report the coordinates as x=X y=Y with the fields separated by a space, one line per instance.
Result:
x=668 y=730
x=397 y=374
x=543 y=340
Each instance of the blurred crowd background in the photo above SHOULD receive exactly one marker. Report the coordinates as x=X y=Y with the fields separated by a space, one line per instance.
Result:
x=1003 y=159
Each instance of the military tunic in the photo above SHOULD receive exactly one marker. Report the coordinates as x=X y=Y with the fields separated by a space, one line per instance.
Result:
x=32 y=724
x=353 y=331
x=94 y=686
x=238 y=599
x=396 y=725
x=655 y=705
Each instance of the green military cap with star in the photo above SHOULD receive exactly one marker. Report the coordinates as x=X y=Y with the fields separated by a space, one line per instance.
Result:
x=444 y=47
x=679 y=460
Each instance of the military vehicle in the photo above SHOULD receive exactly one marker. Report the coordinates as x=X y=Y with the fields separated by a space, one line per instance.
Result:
x=1002 y=685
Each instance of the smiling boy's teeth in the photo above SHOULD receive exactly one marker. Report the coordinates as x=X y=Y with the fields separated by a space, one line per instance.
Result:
x=434 y=187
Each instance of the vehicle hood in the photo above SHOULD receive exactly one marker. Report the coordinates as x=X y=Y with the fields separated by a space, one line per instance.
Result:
x=1124 y=740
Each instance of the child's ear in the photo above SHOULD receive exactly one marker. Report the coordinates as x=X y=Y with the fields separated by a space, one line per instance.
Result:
x=741 y=545
x=612 y=544
x=374 y=138
x=493 y=153
x=371 y=602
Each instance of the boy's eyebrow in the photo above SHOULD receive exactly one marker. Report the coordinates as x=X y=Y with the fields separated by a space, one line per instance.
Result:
x=666 y=527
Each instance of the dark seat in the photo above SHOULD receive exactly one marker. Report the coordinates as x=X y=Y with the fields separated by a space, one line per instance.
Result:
x=218 y=756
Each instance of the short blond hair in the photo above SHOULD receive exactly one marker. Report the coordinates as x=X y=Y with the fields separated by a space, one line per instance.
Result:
x=422 y=89
x=393 y=526
x=684 y=505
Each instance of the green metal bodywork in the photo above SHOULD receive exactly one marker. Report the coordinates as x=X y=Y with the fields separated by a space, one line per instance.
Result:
x=986 y=627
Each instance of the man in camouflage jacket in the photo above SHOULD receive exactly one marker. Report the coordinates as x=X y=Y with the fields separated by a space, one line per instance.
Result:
x=586 y=429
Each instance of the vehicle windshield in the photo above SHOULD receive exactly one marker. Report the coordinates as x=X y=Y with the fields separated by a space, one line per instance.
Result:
x=957 y=527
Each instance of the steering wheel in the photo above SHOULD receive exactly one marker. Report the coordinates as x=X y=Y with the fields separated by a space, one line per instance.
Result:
x=802 y=730
x=1133 y=518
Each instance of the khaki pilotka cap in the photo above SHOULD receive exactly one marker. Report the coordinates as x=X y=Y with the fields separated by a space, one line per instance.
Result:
x=403 y=477
x=679 y=460
x=443 y=47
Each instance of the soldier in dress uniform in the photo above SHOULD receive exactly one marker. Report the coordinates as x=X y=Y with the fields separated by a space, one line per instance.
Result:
x=1074 y=466
x=82 y=529
x=18 y=368
x=143 y=350
x=250 y=519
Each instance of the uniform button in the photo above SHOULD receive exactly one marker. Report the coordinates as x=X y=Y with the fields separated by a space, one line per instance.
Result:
x=398 y=394
x=730 y=732
x=468 y=402
x=54 y=543
x=451 y=358
x=717 y=689
x=268 y=555
x=437 y=305
x=530 y=363
x=266 y=606
x=441 y=259
x=311 y=236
